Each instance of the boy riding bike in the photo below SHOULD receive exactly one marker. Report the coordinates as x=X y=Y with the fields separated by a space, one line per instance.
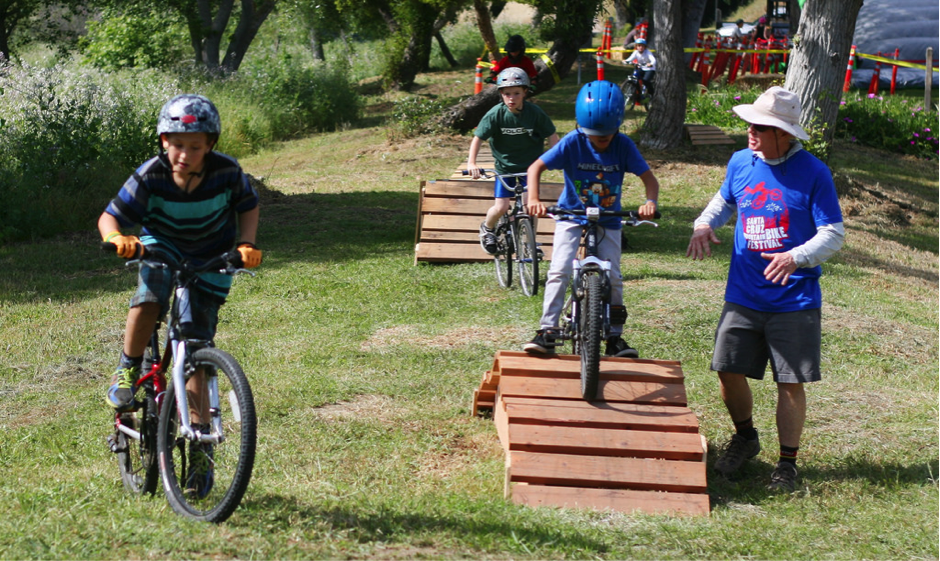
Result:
x=193 y=203
x=645 y=62
x=595 y=157
x=517 y=132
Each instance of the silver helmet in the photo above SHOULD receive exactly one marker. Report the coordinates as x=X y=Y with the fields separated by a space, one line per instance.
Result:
x=512 y=76
x=189 y=113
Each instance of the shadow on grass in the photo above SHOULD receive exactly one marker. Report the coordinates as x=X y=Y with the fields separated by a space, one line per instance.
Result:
x=476 y=526
x=750 y=485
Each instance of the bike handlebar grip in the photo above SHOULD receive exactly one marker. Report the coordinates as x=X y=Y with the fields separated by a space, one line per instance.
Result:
x=465 y=172
x=108 y=246
x=111 y=247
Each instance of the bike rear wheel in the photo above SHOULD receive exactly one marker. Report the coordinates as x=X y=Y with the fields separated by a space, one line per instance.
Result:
x=137 y=458
x=590 y=326
x=504 y=250
x=211 y=499
x=527 y=256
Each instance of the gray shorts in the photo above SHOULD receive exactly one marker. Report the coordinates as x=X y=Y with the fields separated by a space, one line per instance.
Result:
x=156 y=285
x=747 y=339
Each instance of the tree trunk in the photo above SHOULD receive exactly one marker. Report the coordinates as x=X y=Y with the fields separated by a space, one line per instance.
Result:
x=622 y=12
x=663 y=127
x=692 y=12
x=252 y=16
x=816 y=69
x=486 y=29
x=444 y=50
x=211 y=30
x=316 y=45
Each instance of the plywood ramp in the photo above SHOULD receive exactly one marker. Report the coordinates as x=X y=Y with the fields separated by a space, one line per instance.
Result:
x=637 y=448
x=706 y=134
x=449 y=215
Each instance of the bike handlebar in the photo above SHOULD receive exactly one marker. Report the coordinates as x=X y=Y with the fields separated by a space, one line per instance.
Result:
x=229 y=262
x=557 y=210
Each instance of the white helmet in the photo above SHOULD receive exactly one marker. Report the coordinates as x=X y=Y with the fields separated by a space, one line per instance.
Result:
x=512 y=76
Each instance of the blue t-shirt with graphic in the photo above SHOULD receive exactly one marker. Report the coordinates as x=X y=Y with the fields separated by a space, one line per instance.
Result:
x=779 y=208
x=594 y=178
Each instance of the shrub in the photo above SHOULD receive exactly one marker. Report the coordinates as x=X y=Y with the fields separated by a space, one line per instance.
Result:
x=70 y=139
x=892 y=123
x=415 y=116
x=298 y=96
x=135 y=40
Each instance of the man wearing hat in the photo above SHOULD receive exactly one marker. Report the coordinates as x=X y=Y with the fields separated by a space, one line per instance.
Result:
x=789 y=223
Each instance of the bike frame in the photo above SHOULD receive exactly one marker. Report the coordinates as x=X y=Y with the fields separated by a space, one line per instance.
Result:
x=180 y=348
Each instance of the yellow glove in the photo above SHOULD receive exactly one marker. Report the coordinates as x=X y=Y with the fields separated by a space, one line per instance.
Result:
x=126 y=245
x=251 y=255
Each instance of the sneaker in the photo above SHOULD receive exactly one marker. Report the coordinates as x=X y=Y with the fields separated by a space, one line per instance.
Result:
x=542 y=344
x=121 y=392
x=200 y=478
x=488 y=239
x=737 y=451
x=616 y=346
x=783 y=478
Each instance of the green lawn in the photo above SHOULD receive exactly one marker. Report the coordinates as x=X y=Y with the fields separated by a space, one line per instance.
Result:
x=363 y=367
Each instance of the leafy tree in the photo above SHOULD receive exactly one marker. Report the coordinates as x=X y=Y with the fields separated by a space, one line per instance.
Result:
x=568 y=24
x=134 y=38
x=209 y=22
x=15 y=14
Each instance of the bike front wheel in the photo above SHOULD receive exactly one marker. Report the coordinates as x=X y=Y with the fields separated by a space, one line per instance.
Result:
x=590 y=327
x=207 y=481
x=629 y=95
x=137 y=458
x=504 y=250
x=527 y=256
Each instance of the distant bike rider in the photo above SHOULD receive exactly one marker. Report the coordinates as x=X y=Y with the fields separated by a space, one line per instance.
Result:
x=645 y=64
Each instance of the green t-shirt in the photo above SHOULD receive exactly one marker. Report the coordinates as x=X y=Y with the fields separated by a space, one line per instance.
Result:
x=515 y=140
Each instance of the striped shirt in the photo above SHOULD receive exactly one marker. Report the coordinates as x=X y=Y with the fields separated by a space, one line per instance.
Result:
x=200 y=224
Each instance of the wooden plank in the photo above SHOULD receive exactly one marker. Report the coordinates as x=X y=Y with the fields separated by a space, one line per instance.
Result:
x=451 y=252
x=501 y=420
x=455 y=251
x=608 y=390
x=465 y=236
x=569 y=366
x=456 y=205
x=464 y=189
x=621 y=500
x=580 y=413
x=607 y=472
x=604 y=442
x=545 y=228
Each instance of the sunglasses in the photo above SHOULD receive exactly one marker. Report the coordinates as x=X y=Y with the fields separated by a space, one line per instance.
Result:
x=761 y=128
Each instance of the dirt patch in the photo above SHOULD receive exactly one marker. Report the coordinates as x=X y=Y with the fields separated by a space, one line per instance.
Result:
x=373 y=407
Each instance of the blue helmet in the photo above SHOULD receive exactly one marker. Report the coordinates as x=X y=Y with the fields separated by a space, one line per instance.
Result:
x=599 y=108
x=641 y=41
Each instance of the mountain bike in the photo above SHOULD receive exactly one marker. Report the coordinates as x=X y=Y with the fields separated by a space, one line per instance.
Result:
x=635 y=93
x=515 y=240
x=588 y=314
x=157 y=434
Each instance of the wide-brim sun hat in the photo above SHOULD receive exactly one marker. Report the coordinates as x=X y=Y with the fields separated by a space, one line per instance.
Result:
x=776 y=107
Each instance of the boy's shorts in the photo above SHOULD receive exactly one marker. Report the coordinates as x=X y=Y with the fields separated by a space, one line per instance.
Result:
x=746 y=340
x=501 y=192
x=156 y=285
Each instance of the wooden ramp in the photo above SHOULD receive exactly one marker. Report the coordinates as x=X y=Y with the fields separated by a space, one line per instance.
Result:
x=706 y=134
x=635 y=449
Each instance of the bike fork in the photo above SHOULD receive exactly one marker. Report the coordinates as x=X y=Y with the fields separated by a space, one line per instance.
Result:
x=182 y=400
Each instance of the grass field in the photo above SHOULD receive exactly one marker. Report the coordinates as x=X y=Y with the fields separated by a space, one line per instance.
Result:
x=363 y=366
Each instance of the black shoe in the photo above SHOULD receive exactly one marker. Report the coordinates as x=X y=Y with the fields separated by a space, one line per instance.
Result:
x=542 y=344
x=617 y=347
x=783 y=479
x=488 y=239
x=737 y=451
